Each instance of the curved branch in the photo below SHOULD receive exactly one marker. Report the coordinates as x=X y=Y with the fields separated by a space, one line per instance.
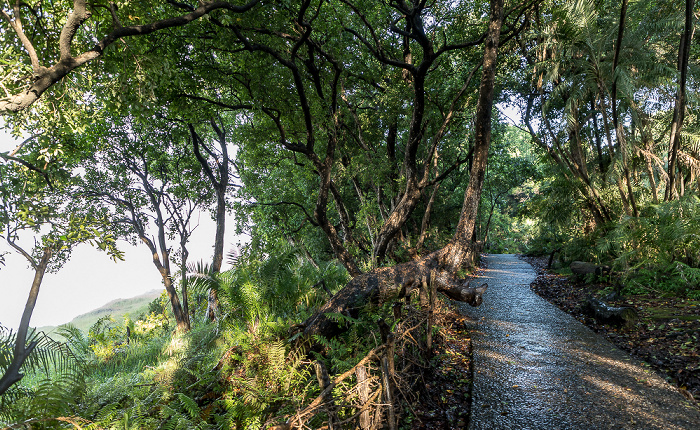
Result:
x=30 y=166
x=308 y=217
x=45 y=78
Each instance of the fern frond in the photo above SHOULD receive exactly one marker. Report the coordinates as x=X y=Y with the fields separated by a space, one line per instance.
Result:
x=189 y=405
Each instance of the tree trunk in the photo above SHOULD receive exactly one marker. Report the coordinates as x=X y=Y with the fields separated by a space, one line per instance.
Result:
x=596 y=135
x=22 y=350
x=425 y=223
x=488 y=221
x=679 y=108
x=386 y=282
x=397 y=219
x=460 y=251
x=608 y=314
x=217 y=261
x=619 y=131
x=220 y=186
x=583 y=268
x=182 y=319
x=183 y=281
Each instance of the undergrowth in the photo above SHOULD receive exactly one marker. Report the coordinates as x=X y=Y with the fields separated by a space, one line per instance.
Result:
x=657 y=252
x=246 y=371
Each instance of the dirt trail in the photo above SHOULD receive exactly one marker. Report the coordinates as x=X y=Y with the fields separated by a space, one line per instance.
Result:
x=538 y=368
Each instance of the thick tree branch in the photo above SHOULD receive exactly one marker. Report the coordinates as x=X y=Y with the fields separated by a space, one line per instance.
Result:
x=46 y=77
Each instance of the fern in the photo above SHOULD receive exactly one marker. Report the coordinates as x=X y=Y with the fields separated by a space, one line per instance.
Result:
x=189 y=405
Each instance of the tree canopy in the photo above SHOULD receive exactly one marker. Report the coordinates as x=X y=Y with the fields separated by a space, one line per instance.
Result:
x=353 y=131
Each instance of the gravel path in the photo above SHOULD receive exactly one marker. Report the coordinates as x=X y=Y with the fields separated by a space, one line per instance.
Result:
x=538 y=368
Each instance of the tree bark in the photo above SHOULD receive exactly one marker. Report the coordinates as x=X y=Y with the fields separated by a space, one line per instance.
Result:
x=386 y=283
x=460 y=251
x=22 y=350
x=425 y=223
x=680 y=102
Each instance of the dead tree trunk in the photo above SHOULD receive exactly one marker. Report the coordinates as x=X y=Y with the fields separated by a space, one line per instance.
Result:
x=581 y=268
x=606 y=314
x=386 y=283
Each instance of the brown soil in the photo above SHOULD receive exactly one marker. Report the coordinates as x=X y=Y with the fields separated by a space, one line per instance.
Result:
x=666 y=335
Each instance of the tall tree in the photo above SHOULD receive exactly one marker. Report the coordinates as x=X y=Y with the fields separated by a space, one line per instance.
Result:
x=147 y=187
x=460 y=252
x=30 y=208
x=680 y=99
x=217 y=166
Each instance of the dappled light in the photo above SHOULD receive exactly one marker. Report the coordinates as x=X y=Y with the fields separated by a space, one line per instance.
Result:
x=313 y=186
x=538 y=363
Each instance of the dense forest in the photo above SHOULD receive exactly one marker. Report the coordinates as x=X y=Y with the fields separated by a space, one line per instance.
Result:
x=371 y=149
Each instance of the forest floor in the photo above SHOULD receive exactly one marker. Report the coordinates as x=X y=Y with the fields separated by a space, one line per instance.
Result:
x=446 y=397
x=666 y=335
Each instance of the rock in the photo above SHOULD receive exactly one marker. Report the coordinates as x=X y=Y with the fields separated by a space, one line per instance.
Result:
x=581 y=268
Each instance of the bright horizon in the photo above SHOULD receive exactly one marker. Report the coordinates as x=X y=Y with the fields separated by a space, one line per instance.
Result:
x=89 y=279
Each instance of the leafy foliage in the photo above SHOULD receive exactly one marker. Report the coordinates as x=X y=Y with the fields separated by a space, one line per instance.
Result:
x=54 y=379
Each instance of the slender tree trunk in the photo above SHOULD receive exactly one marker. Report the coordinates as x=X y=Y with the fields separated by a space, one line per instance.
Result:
x=488 y=220
x=619 y=130
x=181 y=318
x=162 y=262
x=397 y=219
x=598 y=145
x=217 y=261
x=183 y=281
x=611 y=147
x=460 y=251
x=22 y=350
x=220 y=186
x=680 y=102
x=652 y=181
x=321 y=212
x=425 y=223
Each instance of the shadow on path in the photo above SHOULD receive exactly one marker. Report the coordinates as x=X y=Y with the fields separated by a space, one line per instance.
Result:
x=538 y=368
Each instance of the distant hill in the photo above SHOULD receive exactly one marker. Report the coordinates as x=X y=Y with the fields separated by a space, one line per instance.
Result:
x=133 y=306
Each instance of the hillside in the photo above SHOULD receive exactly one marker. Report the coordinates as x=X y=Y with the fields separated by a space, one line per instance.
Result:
x=133 y=306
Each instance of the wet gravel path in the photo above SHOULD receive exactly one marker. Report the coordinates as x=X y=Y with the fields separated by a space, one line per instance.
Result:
x=538 y=368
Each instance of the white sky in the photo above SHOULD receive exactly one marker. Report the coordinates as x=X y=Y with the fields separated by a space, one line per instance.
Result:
x=90 y=279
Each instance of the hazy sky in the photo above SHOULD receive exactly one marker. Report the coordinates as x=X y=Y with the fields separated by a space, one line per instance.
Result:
x=90 y=279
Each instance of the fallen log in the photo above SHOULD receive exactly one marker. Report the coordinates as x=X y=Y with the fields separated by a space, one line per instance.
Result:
x=386 y=283
x=606 y=314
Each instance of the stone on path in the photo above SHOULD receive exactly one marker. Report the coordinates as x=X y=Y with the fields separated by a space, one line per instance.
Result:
x=536 y=367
